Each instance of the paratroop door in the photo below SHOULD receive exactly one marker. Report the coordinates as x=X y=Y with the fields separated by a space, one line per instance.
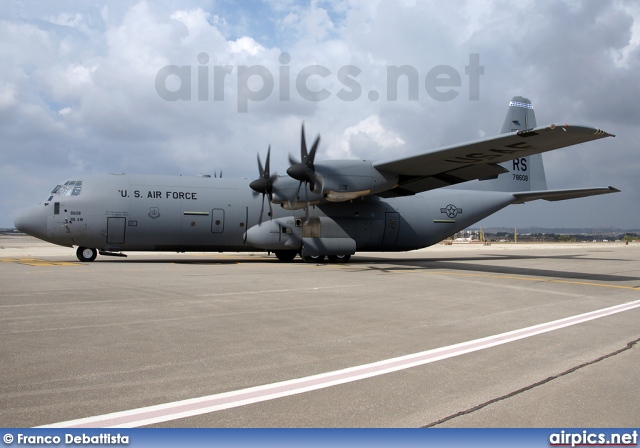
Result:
x=217 y=220
x=391 y=226
x=115 y=230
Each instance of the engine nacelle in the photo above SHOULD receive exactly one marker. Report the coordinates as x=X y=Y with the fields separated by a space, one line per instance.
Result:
x=345 y=180
x=340 y=180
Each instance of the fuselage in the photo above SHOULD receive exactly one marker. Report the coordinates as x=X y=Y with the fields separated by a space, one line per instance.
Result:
x=124 y=212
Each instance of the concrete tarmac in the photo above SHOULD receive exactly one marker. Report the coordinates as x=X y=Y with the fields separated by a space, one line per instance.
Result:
x=87 y=339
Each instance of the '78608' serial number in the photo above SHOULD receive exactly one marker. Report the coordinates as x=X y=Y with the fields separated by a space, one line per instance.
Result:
x=522 y=177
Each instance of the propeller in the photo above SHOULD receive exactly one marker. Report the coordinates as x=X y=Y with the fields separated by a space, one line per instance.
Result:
x=305 y=171
x=264 y=184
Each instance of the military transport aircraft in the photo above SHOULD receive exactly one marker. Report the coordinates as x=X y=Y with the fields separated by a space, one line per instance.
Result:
x=327 y=208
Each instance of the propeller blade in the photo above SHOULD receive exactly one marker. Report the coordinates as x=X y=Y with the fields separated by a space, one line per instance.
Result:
x=298 y=191
x=270 y=181
x=312 y=154
x=318 y=180
x=261 y=210
x=266 y=165
x=303 y=144
x=264 y=184
x=304 y=171
x=260 y=169
x=306 y=194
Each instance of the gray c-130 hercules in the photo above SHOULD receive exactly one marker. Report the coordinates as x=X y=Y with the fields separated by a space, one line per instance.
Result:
x=330 y=208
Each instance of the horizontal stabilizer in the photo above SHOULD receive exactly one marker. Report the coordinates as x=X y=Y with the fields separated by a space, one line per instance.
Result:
x=561 y=195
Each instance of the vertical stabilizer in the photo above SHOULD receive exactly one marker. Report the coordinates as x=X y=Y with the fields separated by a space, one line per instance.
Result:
x=520 y=116
x=525 y=173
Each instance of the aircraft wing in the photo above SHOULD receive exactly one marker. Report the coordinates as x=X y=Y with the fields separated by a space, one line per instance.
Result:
x=561 y=195
x=479 y=159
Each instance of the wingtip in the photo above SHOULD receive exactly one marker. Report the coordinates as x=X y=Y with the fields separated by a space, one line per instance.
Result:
x=603 y=133
x=582 y=128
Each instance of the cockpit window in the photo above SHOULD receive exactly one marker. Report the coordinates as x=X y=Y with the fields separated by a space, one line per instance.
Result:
x=70 y=188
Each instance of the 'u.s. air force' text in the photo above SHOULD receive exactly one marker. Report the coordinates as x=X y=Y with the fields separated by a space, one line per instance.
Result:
x=157 y=194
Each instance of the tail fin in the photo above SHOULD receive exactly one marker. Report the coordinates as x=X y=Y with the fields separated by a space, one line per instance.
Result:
x=525 y=176
x=520 y=116
x=526 y=173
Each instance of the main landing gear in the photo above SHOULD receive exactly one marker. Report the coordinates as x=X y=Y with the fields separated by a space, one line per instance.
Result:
x=289 y=255
x=86 y=254
x=320 y=258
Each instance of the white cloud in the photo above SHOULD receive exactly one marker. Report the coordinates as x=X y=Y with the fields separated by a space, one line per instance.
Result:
x=308 y=24
x=368 y=139
x=371 y=127
x=71 y=20
x=245 y=44
x=196 y=21
x=7 y=95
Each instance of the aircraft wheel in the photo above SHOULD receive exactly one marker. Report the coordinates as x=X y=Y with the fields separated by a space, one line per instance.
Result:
x=339 y=258
x=286 y=255
x=86 y=254
x=312 y=258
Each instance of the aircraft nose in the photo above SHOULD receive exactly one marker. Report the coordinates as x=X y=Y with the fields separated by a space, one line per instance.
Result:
x=32 y=221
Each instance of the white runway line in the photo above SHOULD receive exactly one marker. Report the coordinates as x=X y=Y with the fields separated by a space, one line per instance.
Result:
x=217 y=402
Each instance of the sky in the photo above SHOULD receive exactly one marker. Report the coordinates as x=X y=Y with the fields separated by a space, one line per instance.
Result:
x=198 y=87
